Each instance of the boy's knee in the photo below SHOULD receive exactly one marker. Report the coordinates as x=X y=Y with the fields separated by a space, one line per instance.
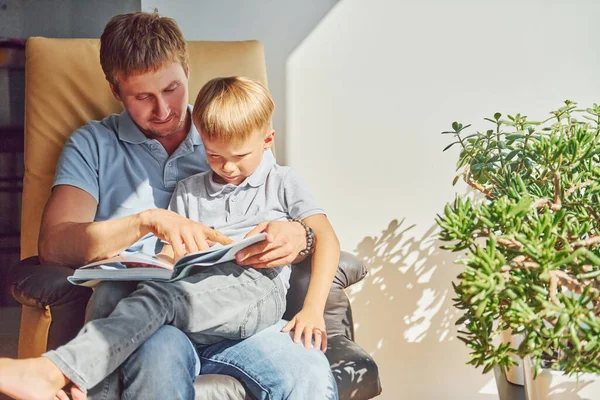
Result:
x=106 y=297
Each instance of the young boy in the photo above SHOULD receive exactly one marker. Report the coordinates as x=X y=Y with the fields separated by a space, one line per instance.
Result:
x=225 y=301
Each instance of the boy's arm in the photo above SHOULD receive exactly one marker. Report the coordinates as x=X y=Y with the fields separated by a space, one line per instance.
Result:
x=325 y=261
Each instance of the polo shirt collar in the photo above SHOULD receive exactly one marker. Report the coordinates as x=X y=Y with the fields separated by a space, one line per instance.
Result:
x=128 y=130
x=130 y=133
x=258 y=178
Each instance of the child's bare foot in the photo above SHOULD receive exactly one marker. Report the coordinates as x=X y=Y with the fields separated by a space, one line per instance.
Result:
x=32 y=378
x=76 y=394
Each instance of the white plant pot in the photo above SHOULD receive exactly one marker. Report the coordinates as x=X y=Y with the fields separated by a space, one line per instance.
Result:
x=554 y=385
x=514 y=374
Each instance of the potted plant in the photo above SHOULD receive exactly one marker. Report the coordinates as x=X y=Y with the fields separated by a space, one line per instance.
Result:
x=529 y=238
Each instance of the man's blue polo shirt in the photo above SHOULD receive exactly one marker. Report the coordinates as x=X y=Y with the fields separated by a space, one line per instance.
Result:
x=125 y=171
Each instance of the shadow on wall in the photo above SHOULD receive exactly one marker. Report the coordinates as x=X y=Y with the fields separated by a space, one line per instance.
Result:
x=406 y=308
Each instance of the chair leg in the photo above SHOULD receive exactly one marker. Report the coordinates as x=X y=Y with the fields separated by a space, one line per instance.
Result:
x=33 y=332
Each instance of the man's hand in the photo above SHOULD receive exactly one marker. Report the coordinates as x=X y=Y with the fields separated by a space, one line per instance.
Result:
x=184 y=235
x=309 y=322
x=284 y=241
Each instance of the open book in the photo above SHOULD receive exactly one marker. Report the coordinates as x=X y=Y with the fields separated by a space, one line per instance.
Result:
x=141 y=267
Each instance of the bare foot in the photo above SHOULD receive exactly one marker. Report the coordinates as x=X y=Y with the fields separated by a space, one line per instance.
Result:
x=31 y=378
x=76 y=394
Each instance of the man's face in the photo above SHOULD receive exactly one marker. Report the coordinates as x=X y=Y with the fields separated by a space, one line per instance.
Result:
x=156 y=101
x=235 y=162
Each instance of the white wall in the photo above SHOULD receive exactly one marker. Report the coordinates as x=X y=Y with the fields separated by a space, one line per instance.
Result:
x=279 y=24
x=367 y=92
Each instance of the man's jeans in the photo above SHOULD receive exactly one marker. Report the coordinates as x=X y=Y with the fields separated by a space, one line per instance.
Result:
x=224 y=301
x=267 y=363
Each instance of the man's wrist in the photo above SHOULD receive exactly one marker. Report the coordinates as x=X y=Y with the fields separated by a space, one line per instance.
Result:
x=144 y=221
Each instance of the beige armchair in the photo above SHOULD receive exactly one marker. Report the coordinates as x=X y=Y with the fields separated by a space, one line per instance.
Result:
x=65 y=88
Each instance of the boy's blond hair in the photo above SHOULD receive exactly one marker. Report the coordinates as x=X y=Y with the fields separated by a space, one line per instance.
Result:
x=140 y=42
x=232 y=109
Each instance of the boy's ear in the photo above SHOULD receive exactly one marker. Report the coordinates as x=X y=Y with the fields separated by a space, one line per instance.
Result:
x=115 y=91
x=269 y=140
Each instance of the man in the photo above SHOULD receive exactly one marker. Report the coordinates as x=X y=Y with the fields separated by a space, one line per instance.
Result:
x=113 y=182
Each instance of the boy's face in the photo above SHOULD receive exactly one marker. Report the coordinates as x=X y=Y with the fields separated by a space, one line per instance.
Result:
x=156 y=101
x=234 y=162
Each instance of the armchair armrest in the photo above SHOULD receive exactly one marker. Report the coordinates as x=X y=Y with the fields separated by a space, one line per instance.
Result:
x=35 y=285
x=350 y=270
x=53 y=309
x=355 y=372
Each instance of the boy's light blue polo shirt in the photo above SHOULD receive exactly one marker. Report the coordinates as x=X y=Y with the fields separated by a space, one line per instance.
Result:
x=270 y=193
x=125 y=171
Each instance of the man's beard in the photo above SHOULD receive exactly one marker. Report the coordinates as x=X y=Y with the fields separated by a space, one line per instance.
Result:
x=152 y=134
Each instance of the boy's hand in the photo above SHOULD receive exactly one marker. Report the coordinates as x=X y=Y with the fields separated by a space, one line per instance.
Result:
x=284 y=241
x=310 y=323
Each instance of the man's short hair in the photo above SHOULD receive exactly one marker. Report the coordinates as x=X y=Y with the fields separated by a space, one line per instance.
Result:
x=232 y=109
x=140 y=42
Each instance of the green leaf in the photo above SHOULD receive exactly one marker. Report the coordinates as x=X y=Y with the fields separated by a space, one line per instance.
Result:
x=521 y=206
x=455 y=180
x=515 y=136
x=512 y=154
x=450 y=145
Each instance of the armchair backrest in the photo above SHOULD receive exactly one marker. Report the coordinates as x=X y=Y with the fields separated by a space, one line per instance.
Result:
x=66 y=88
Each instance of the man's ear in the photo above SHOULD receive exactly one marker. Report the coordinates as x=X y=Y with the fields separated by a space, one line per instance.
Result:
x=269 y=140
x=115 y=91
x=187 y=71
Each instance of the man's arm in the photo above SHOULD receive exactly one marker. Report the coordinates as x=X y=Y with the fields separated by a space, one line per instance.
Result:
x=69 y=236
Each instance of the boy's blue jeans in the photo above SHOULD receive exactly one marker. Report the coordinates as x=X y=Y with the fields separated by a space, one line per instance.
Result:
x=267 y=363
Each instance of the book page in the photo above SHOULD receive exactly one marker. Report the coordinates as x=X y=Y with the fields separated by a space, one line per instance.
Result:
x=218 y=255
x=133 y=260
